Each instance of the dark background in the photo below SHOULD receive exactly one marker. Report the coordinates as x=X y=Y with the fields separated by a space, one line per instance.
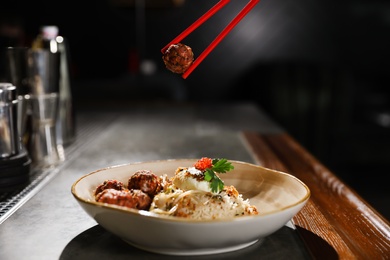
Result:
x=321 y=69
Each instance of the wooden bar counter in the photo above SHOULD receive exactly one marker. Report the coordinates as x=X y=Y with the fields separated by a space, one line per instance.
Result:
x=336 y=223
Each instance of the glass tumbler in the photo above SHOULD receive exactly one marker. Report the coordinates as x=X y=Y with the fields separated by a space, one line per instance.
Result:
x=44 y=150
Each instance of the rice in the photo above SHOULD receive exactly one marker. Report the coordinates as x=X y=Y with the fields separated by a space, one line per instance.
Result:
x=201 y=205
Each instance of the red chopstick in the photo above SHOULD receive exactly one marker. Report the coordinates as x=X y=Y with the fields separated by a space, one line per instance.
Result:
x=218 y=39
x=197 y=23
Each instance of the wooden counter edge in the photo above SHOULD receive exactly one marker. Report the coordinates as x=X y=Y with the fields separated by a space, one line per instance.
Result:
x=336 y=223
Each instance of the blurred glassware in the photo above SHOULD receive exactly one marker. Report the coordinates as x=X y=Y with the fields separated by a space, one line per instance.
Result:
x=49 y=39
x=14 y=159
x=16 y=68
x=43 y=71
x=44 y=150
x=16 y=72
x=9 y=136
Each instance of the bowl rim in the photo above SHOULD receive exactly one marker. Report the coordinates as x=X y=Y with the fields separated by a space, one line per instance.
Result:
x=160 y=217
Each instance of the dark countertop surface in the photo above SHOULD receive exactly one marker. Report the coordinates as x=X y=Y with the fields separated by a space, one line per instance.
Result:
x=49 y=224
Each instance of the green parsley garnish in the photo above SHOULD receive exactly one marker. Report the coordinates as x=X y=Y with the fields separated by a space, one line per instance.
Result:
x=219 y=166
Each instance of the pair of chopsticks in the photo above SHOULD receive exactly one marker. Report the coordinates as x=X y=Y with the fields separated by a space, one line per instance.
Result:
x=218 y=39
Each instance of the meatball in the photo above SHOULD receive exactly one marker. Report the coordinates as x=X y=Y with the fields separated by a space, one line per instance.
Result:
x=178 y=57
x=135 y=199
x=109 y=184
x=145 y=181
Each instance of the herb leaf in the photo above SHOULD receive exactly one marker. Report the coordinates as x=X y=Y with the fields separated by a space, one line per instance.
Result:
x=222 y=165
x=219 y=166
x=209 y=175
x=216 y=184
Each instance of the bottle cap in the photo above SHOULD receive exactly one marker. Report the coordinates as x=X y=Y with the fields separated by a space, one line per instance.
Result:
x=49 y=31
x=7 y=93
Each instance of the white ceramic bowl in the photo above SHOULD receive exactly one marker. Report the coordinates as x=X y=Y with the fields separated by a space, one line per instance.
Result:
x=278 y=197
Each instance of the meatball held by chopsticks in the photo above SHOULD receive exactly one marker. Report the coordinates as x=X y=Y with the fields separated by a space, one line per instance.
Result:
x=178 y=57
